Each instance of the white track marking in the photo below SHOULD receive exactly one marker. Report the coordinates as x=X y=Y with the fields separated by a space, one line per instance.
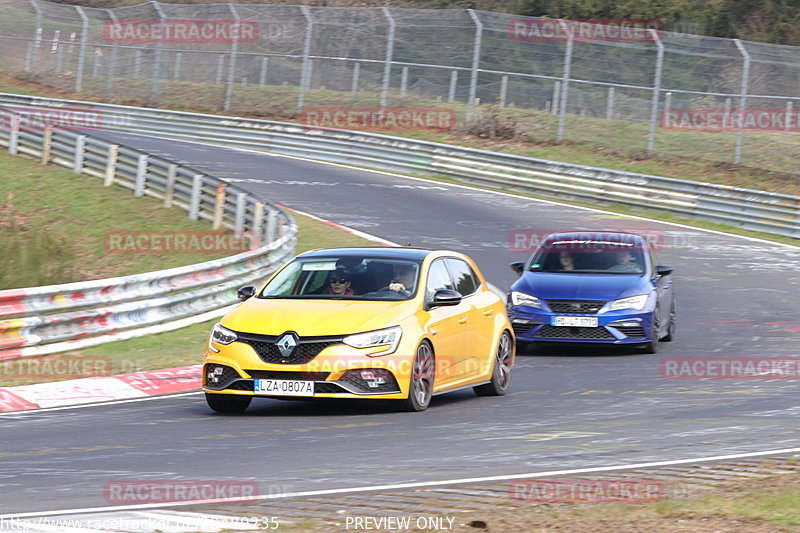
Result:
x=112 y=402
x=400 y=486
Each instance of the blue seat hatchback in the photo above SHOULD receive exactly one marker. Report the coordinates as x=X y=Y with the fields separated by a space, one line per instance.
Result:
x=594 y=288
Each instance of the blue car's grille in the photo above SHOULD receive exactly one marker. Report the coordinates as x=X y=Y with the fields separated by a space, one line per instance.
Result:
x=521 y=329
x=631 y=331
x=575 y=306
x=569 y=332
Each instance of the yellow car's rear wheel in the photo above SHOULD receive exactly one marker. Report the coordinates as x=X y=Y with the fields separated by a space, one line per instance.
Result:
x=420 y=388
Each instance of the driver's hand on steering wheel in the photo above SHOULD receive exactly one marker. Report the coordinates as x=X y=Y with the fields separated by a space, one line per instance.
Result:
x=397 y=287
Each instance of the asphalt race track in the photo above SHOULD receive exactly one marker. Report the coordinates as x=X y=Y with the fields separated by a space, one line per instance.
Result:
x=566 y=408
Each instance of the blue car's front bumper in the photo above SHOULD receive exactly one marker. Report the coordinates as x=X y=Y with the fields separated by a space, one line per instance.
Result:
x=614 y=327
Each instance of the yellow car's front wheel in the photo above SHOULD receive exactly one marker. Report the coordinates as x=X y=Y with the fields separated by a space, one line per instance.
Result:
x=501 y=374
x=420 y=388
x=228 y=403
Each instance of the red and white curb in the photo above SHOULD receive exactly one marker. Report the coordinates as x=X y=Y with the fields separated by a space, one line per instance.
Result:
x=101 y=389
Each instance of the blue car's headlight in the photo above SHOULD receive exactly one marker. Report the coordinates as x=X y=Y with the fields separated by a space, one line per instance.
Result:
x=520 y=298
x=636 y=303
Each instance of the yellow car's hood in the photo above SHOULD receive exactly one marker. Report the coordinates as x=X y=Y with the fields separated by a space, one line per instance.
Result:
x=315 y=317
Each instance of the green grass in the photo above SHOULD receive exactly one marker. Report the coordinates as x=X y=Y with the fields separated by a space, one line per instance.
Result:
x=46 y=238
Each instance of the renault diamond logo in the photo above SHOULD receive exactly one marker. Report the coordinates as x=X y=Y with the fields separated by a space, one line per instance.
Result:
x=286 y=344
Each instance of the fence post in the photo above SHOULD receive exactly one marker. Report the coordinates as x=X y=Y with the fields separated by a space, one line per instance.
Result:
x=81 y=48
x=403 y=81
x=737 y=156
x=301 y=95
x=47 y=144
x=503 y=91
x=220 y=67
x=169 y=189
x=562 y=104
x=141 y=175
x=476 y=58
x=241 y=209
x=111 y=164
x=37 y=39
x=262 y=76
x=786 y=120
x=387 y=64
x=356 y=73
x=610 y=104
x=176 y=70
x=556 y=98
x=137 y=63
x=668 y=102
x=112 y=61
x=58 y=50
x=651 y=136
x=13 y=135
x=155 y=84
x=194 y=201
x=219 y=206
x=232 y=62
x=451 y=93
x=77 y=158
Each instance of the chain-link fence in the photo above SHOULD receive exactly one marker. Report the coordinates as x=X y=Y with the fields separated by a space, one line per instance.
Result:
x=647 y=92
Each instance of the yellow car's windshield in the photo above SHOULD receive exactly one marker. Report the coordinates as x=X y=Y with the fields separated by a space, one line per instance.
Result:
x=346 y=278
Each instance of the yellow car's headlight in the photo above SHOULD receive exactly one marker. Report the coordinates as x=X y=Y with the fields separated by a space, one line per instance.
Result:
x=389 y=337
x=220 y=335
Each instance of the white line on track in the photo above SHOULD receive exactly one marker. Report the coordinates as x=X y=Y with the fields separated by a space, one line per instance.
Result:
x=399 y=486
x=112 y=402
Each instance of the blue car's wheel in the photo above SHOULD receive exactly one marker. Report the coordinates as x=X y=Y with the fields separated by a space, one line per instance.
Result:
x=655 y=341
x=671 y=330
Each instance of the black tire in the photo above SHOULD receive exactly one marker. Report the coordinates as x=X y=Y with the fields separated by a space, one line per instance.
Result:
x=228 y=403
x=671 y=331
x=420 y=387
x=501 y=371
x=655 y=343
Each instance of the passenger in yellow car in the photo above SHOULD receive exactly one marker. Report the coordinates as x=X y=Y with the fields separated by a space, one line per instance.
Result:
x=339 y=283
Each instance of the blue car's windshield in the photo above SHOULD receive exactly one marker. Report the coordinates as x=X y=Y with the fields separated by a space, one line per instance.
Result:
x=345 y=278
x=589 y=258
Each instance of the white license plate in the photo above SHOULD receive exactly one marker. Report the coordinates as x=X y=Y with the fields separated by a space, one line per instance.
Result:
x=283 y=387
x=580 y=321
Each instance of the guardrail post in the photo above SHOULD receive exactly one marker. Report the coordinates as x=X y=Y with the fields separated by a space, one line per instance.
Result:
x=80 y=147
x=13 y=135
x=451 y=92
x=155 y=84
x=356 y=73
x=562 y=104
x=387 y=62
x=272 y=224
x=47 y=144
x=226 y=105
x=141 y=174
x=37 y=39
x=241 y=210
x=169 y=188
x=304 y=81
x=219 y=206
x=262 y=76
x=737 y=157
x=476 y=58
x=258 y=218
x=194 y=201
x=651 y=136
x=111 y=164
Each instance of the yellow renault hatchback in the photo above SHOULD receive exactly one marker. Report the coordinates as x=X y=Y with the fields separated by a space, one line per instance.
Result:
x=400 y=324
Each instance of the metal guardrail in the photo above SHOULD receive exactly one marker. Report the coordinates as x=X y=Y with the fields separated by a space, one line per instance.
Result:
x=746 y=208
x=49 y=319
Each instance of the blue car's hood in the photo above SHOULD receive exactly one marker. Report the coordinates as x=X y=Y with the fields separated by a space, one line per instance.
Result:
x=550 y=286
